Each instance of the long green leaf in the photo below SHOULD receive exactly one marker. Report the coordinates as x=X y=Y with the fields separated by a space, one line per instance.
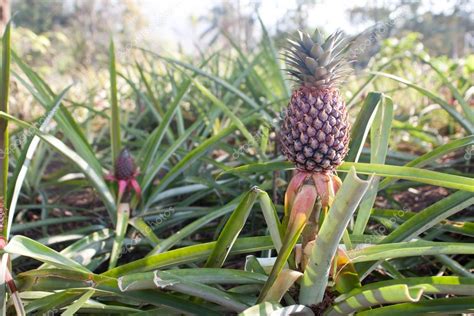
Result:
x=123 y=214
x=184 y=232
x=409 y=249
x=48 y=222
x=60 y=279
x=52 y=301
x=73 y=308
x=271 y=219
x=433 y=284
x=400 y=290
x=115 y=139
x=317 y=271
x=385 y=295
x=432 y=155
x=199 y=275
x=27 y=247
x=231 y=230
x=4 y=135
x=379 y=137
x=139 y=224
x=406 y=173
x=439 y=306
x=171 y=281
x=362 y=125
x=189 y=254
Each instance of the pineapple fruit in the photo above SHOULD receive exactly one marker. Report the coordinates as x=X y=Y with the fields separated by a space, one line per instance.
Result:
x=315 y=132
x=125 y=174
x=125 y=167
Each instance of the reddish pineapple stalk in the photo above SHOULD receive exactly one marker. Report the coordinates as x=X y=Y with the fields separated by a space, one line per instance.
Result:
x=317 y=202
x=307 y=195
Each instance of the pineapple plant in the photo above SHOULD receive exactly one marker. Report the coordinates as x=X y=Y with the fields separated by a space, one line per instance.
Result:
x=315 y=132
x=314 y=135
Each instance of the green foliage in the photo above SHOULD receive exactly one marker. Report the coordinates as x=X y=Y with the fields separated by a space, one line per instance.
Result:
x=4 y=133
x=203 y=133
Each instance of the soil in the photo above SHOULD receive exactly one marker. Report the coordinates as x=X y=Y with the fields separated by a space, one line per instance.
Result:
x=413 y=199
x=85 y=199
x=328 y=300
x=416 y=199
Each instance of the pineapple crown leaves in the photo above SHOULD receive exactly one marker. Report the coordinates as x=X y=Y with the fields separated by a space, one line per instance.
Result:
x=317 y=62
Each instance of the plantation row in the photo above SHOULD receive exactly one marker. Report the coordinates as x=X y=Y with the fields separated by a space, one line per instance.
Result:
x=218 y=186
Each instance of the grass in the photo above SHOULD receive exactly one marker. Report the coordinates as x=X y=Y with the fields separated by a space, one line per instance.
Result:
x=206 y=237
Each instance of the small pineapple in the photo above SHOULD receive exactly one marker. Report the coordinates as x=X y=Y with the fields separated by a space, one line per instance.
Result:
x=125 y=174
x=315 y=131
x=125 y=167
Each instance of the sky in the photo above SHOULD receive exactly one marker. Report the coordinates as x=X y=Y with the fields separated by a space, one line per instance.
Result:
x=172 y=20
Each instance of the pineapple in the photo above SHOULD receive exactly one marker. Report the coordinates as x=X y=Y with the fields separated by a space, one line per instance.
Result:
x=125 y=167
x=315 y=132
x=125 y=174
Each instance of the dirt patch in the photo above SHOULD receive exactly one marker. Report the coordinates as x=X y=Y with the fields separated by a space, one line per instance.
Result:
x=416 y=199
x=327 y=302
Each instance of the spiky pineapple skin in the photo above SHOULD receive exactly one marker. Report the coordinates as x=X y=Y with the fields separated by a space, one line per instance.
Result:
x=125 y=167
x=315 y=131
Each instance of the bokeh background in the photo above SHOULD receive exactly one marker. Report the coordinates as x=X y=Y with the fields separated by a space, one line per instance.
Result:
x=76 y=32
x=67 y=41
